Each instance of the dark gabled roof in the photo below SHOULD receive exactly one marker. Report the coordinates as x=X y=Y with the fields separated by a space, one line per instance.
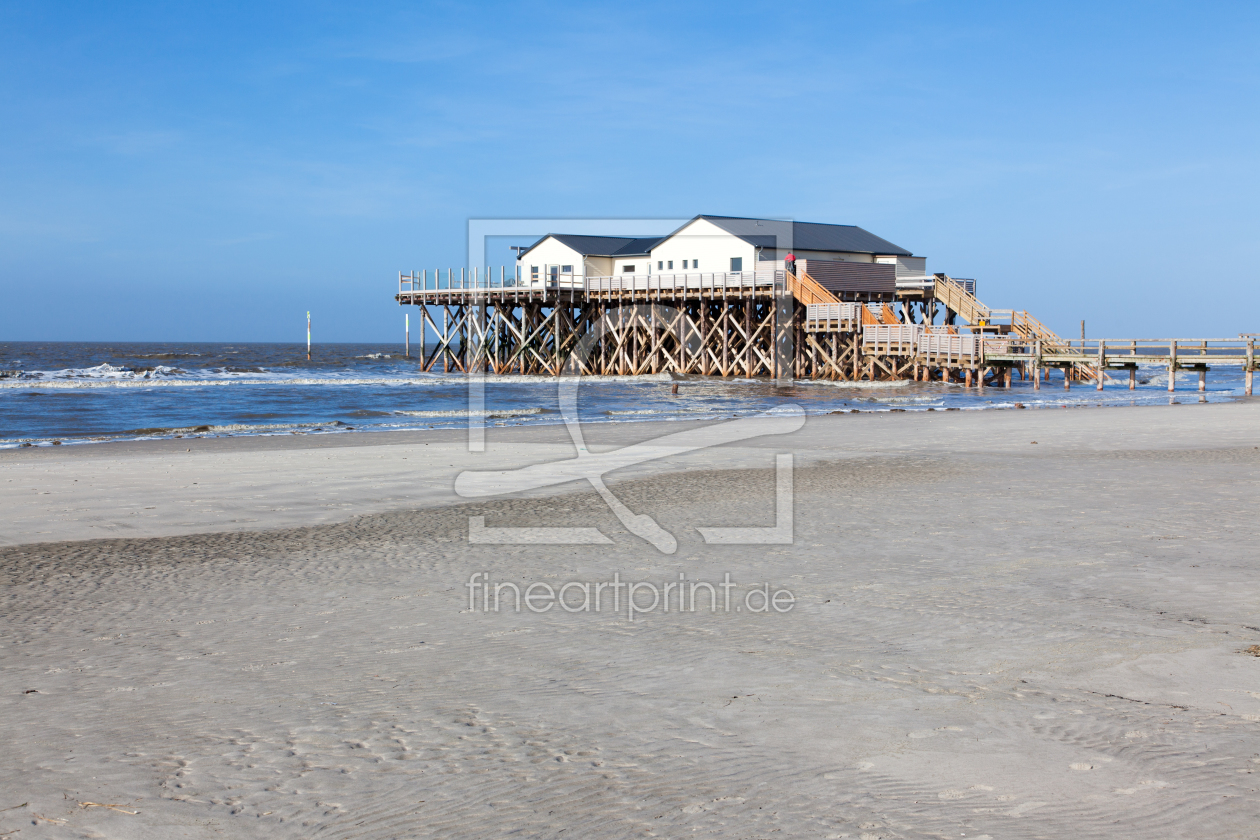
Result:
x=601 y=246
x=811 y=236
x=762 y=233
x=640 y=247
x=805 y=236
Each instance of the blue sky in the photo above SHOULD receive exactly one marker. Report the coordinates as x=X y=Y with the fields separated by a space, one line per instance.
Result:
x=212 y=171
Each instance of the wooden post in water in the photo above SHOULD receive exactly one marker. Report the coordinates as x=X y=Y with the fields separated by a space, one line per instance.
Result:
x=1036 y=378
x=1006 y=377
x=1251 y=360
x=1203 y=379
x=1102 y=365
x=1172 y=365
x=968 y=383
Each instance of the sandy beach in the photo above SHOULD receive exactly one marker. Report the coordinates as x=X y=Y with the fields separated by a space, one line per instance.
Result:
x=1004 y=624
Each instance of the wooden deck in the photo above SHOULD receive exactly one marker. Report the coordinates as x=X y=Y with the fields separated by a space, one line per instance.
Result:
x=768 y=323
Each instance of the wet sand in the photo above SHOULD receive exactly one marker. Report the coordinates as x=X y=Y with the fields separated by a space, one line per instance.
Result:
x=990 y=637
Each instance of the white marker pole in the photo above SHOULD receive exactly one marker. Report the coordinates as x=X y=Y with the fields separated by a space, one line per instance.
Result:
x=407 y=322
x=308 y=336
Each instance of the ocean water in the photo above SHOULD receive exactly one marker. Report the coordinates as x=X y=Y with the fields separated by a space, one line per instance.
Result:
x=69 y=393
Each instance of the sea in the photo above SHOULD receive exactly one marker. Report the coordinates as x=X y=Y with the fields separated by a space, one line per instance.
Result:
x=63 y=393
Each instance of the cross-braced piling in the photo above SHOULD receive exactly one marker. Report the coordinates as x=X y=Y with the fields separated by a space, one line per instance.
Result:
x=770 y=323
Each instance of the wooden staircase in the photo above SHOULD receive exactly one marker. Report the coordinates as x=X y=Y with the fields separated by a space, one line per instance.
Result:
x=966 y=306
x=808 y=290
x=960 y=301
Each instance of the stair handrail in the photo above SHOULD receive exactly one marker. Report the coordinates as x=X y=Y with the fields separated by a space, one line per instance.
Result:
x=957 y=298
x=808 y=290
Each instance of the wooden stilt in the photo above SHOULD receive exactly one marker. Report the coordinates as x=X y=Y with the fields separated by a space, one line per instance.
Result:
x=1172 y=367
x=1251 y=360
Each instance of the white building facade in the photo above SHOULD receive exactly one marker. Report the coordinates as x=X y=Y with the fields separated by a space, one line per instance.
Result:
x=715 y=245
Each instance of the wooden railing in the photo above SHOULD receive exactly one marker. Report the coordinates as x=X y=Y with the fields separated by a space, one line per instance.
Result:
x=1093 y=357
x=807 y=290
x=832 y=317
x=927 y=343
x=682 y=282
x=459 y=281
x=949 y=349
x=891 y=340
x=1121 y=352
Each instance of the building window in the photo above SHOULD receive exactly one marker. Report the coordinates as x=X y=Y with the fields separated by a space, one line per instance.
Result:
x=737 y=263
x=627 y=269
x=533 y=271
x=566 y=269
x=671 y=263
x=659 y=265
x=695 y=263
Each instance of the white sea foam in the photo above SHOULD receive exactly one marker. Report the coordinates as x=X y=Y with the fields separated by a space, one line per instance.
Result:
x=684 y=410
x=206 y=430
x=900 y=383
x=124 y=378
x=104 y=373
x=489 y=414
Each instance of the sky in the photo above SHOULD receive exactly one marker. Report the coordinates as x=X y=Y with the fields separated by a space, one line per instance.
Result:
x=212 y=171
